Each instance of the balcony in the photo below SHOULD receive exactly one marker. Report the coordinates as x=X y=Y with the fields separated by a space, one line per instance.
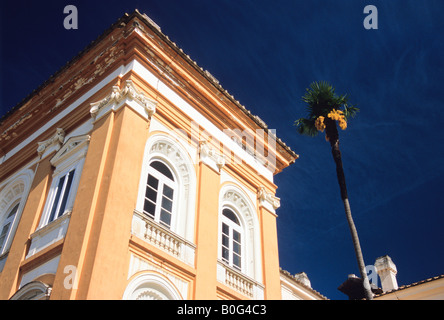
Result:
x=239 y=282
x=163 y=238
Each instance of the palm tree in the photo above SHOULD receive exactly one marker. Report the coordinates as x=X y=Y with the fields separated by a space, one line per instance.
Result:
x=324 y=111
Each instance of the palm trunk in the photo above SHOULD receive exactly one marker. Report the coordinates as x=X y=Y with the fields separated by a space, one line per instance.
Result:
x=334 y=142
x=358 y=251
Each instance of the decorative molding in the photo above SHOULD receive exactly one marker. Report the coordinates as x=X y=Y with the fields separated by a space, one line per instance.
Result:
x=154 y=274
x=73 y=149
x=34 y=290
x=211 y=157
x=10 y=194
x=53 y=143
x=174 y=154
x=151 y=294
x=118 y=97
x=268 y=199
x=240 y=203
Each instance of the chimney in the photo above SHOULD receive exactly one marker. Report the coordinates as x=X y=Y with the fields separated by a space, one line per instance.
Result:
x=386 y=270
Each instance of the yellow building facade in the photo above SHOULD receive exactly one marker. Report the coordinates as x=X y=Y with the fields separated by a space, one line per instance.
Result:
x=132 y=174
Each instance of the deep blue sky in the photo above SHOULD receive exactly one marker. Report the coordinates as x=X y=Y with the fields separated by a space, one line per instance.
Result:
x=265 y=53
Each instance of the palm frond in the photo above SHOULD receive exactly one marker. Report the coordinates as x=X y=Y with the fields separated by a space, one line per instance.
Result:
x=306 y=127
x=350 y=111
x=321 y=98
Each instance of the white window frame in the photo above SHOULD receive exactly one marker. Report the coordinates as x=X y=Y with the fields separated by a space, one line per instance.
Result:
x=15 y=191
x=71 y=156
x=232 y=226
x=162 y=181
x=53 y=193
x=177 y=156
x=232 y=196
x=8 y=220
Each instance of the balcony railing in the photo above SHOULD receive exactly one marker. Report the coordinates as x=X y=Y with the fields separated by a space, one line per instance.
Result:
x=163 y=238
x=239 y=281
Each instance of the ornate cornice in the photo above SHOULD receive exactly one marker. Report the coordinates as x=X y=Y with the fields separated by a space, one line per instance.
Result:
x=117 y=97
x=53 y=143
x=210 y=156
x=268 y=199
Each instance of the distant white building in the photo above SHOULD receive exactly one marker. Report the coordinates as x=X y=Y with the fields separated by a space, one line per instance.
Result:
x=428 y=289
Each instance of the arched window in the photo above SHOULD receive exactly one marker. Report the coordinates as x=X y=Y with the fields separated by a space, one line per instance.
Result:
x=160 y=194
x=232 y=238
x=168 y=182
x=239 y=242
x=6 y=226
x=12 y=202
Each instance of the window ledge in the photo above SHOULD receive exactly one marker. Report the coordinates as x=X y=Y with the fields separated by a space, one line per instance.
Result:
x=49 y=234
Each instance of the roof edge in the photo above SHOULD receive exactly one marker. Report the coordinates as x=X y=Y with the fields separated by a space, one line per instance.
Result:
x=155 y=28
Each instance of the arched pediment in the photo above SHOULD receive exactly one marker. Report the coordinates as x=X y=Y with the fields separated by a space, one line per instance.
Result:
x=34 y=290
x=232 y=195
x=151 y=286
x=71 y=147
x=172 y=151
